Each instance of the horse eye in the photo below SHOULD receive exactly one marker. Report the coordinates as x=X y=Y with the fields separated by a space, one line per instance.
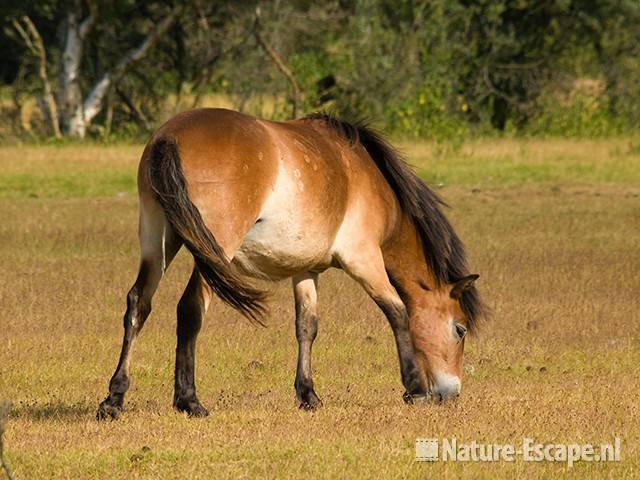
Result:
x=461 y=331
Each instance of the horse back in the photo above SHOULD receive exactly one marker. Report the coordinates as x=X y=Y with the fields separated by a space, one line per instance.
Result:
x=278 y=196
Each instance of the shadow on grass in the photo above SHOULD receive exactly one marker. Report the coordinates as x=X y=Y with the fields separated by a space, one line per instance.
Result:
x=52 y=410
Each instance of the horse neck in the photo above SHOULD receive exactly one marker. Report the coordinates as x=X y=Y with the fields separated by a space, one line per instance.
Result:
x=405 y=262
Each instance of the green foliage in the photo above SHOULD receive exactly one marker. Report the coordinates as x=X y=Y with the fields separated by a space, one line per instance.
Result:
x=427 y=116
x=581 y=116
x=441 y=69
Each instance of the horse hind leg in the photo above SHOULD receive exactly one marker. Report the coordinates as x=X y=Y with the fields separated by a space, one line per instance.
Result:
x=158 y=245
x=306 y=298
x=191 y=310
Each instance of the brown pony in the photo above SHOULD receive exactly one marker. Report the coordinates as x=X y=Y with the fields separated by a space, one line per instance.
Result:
x=270 y=200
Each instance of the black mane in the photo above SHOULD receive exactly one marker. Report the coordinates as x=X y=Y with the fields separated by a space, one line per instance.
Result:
x=443 y=249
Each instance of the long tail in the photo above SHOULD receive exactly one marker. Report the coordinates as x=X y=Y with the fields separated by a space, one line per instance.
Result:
x=169 y=185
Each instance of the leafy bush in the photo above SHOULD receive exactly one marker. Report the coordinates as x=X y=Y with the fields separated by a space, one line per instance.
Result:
x=442 y=69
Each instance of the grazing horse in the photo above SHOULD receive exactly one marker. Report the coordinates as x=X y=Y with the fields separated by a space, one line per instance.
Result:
x=273 y=200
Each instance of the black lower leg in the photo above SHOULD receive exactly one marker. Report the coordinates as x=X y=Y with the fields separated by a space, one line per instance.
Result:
x=399 y=320
x=190 y=313
x=305 y=292
x=306 y=331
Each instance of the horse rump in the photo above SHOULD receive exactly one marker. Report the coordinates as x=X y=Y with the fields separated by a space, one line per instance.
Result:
x=169 y=185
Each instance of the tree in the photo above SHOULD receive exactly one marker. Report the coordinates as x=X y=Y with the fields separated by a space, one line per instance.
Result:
x=74 y=108
x=418 y=67
x=32 y=39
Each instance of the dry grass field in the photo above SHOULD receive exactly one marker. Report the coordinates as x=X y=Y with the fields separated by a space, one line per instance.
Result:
x=553 y=227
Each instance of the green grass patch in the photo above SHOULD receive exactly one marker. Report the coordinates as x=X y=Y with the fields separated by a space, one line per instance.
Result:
x=87 y=170
x=513 y=163
x=72 y=183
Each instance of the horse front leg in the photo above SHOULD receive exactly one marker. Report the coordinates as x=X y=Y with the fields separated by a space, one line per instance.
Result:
x=306 y=297
x=367 y=267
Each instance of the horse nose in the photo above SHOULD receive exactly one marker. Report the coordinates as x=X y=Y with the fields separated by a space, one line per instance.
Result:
x=445 y=386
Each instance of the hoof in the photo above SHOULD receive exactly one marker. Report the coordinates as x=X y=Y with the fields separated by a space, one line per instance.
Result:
x=416 y=399
x=107 y=410
x=193 y=408
x=310 y=401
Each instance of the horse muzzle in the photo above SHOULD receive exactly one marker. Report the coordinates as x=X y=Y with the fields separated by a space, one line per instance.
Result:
x=442 y=387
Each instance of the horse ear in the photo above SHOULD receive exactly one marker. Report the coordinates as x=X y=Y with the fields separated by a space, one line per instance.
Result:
x=462 y=285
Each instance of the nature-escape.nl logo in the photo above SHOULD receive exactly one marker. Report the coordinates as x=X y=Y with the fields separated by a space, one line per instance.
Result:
x=529 y=450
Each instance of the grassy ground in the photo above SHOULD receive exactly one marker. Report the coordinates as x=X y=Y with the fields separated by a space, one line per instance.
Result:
x=552 y=227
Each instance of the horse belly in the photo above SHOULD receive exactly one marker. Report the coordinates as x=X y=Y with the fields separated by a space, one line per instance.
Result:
x=275 y=248
x=295 y=230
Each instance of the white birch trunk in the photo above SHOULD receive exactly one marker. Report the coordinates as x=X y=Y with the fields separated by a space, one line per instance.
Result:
x=70 y=96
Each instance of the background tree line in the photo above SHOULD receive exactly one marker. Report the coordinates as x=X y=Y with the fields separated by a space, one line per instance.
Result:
x=437 y=68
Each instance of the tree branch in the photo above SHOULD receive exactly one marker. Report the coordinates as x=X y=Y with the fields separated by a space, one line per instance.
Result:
x=88 y=23
x=135 y=111
x=284 y=69
x=493 y=89
x=94 y=101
